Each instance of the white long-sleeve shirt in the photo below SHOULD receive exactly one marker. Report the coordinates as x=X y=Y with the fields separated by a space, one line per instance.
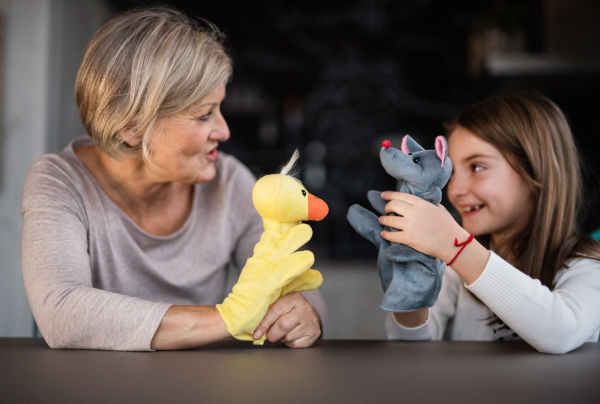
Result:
x=552 y=321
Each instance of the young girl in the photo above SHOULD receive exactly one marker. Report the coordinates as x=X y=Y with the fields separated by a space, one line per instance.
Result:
x=528 y=274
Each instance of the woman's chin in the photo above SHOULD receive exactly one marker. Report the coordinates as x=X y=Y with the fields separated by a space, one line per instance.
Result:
x=207 y=174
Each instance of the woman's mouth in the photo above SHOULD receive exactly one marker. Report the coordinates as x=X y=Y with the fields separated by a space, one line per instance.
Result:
x=471 y=210
x=212 y=155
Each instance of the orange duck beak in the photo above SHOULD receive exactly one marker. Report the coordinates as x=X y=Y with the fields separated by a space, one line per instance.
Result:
x=317 y=208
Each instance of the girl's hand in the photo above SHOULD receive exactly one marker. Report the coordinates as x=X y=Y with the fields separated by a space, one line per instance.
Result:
x=291 y=320
x=425 y=227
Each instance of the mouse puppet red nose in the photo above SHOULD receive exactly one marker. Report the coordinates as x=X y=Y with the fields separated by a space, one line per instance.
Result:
x=385 y=144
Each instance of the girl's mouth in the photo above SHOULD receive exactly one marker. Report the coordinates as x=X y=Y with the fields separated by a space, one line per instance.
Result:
x=471 y=210
x=212 y=155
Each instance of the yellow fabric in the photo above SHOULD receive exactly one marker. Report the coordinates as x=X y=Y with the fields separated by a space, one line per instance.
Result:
x=279 y=198
x=275 y=269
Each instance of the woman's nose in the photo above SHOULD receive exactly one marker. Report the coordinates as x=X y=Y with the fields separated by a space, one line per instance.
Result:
x=220 y=132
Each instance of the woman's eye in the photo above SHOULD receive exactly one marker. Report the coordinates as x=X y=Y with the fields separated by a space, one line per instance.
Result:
x=477 y=168
x=204 y=118
x=416 y=160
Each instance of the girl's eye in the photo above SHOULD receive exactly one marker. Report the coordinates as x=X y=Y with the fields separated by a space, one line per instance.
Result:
x=416 y=160
x=477 y=168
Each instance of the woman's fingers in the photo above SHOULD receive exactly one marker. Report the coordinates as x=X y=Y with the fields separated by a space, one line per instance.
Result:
x=275 y=311
x=292 y=320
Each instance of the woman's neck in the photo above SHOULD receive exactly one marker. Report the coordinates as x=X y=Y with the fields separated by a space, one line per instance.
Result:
x=157 y=206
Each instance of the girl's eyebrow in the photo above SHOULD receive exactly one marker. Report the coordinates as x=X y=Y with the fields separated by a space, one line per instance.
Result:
x=477 y=156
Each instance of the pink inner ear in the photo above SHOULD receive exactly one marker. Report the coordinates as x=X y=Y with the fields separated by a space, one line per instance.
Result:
x=440 y=148
x=404 y=146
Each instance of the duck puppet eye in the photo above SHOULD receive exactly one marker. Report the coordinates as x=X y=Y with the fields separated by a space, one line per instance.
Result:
x=304 y=192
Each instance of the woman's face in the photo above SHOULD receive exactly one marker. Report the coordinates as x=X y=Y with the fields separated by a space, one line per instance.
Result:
x=185 y=148
x=490 y=196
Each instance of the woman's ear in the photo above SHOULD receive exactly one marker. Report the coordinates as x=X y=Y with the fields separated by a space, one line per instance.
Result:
x=131 y=136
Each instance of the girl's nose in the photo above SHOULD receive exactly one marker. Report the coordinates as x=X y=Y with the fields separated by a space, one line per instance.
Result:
x=457 y=186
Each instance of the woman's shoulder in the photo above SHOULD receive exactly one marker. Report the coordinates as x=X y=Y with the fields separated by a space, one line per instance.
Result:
x=55 y=174
x=65 y=162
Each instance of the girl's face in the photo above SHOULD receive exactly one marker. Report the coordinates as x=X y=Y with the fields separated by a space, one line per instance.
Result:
x=185 y=150
x=490 y=196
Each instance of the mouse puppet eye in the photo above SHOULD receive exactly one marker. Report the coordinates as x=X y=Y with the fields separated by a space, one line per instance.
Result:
x=416 y=160
x=304 y=192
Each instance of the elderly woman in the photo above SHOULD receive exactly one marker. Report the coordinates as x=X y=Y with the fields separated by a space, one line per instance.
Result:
x=128 y=233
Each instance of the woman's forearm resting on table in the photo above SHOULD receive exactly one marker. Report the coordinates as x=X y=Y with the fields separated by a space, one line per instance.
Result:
x=185 y=327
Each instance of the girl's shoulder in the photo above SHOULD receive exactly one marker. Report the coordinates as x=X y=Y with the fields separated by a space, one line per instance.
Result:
x=579 y=270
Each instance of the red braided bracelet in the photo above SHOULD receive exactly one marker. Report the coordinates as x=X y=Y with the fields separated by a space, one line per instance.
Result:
x=462 y=245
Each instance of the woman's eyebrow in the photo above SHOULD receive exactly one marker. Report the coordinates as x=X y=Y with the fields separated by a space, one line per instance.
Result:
x=199 y=107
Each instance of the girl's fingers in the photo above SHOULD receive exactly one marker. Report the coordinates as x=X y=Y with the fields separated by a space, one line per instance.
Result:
x=397 y=206
x=394 y=236
x=391 y=221
x=400 y=196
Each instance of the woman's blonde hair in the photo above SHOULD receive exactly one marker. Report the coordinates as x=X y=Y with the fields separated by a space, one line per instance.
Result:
x=533 y=135
x=143 y=65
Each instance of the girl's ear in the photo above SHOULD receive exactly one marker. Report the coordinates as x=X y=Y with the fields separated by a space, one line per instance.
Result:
x=441 y=148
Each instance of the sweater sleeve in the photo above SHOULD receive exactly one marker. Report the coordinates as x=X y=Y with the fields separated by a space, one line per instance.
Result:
x=56 y=268
x=439 y=315
x=555 y=321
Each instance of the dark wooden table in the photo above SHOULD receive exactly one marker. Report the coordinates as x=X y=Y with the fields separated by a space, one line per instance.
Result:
x=330 y=372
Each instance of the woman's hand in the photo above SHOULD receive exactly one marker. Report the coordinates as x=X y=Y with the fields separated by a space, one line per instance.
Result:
x=291 y=320
x=425 y=227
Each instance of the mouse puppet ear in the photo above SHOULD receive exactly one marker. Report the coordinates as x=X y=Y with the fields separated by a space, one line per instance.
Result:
x=441 y=147
x=410 y=146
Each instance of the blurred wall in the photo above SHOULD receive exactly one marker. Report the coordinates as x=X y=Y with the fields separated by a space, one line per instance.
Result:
x=42 y=45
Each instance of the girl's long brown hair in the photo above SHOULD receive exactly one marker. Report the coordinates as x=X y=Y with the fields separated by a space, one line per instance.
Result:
x=533 y=135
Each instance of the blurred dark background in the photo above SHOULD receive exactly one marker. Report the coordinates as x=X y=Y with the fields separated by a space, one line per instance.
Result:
x=335 y=78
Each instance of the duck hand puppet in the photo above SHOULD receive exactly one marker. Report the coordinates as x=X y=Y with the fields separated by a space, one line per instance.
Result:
x=411 y=280
x=276 y=268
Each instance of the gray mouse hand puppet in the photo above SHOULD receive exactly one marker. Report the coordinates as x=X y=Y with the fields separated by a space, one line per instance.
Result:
x=411 y=280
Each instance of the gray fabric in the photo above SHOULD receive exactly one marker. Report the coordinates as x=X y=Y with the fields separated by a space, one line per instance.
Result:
x=95 y=280
x=410 y=280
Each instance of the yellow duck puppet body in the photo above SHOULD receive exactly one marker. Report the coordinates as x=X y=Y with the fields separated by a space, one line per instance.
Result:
x=276 y=268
